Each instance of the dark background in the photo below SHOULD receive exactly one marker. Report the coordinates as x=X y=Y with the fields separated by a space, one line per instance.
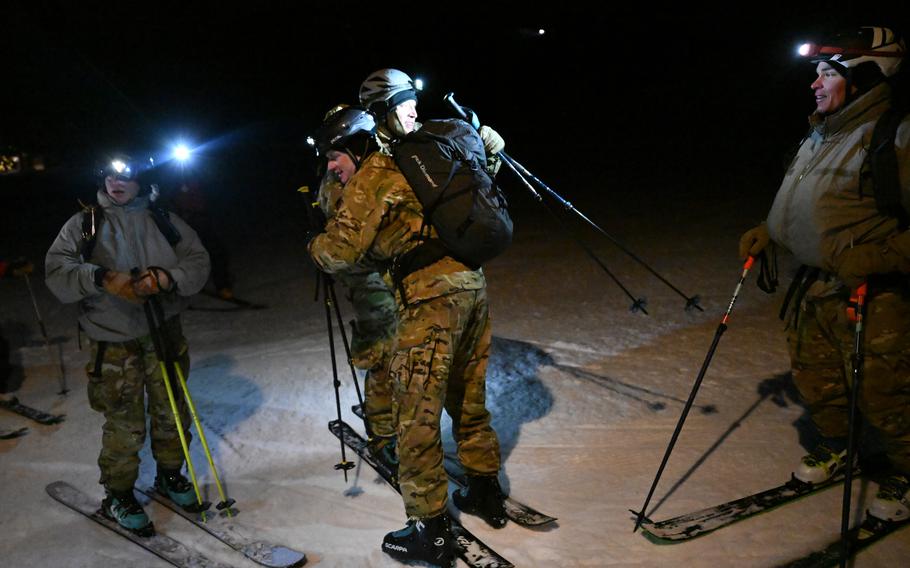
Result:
x=670 y=105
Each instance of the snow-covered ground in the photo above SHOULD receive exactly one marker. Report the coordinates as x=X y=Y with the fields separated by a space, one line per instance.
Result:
x=585 y=396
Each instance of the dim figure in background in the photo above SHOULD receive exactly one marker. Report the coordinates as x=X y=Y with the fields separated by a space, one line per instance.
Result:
x=111 y=258
x=826 y=214
x=189 y=202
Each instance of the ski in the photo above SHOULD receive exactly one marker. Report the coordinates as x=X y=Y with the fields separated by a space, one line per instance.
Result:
x=516 y=511
x=244 y=304
x=474 y=552
x=10 y=434
x=691 y=525
x=223 y=528
x=868 y=533
x=39 y=416
x=160 y=545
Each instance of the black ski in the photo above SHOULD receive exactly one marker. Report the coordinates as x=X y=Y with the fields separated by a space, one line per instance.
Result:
x=10 y=434
x=223 y=528
x=871 y=531
x=39 y=416
x=244 y=304
x=691 y=525
x=516 y=511
x=160 y=545
x=474 y=552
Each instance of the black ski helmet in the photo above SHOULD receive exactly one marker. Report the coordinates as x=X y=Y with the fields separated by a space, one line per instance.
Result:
x=348 y=129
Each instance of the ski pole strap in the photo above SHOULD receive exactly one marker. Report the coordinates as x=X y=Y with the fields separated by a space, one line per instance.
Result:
x=767 y=273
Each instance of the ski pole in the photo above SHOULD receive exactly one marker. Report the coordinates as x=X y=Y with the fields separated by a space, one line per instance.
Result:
x=225 y=503
x=347 y=351
x=638 y=304
x=516 y=167
x=47 y=341
x=344 y=465
x=721 y=328
x=331 y=289
x=691 y=301
x=162 y=364
x=856 y=313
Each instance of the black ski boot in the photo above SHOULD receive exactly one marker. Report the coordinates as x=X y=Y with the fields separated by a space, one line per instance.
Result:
x=423 y=540
x=122 y=508
x=178 y=489
x=483 y=497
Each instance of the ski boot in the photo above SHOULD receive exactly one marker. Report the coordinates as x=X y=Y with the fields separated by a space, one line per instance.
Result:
x=892 y=502
x=178 y=489
x=483 y=497
x=820 y=465
x=385 y=450
x=423 y=540
x=122 y=508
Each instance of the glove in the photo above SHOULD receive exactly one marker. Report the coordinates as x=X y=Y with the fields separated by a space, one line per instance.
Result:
x=19 y=267
x=856 y=263
x=753 y=241
x=153 y=281
x=492 y=141
x=120 y=284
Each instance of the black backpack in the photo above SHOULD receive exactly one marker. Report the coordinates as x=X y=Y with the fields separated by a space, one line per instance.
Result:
x=882 y=155
x=445 y=164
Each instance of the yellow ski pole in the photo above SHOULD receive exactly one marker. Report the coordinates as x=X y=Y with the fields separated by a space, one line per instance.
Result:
x=225 y=503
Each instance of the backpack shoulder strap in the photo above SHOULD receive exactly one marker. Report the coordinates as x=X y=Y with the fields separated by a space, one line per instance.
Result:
x=885 y=178
x=163 y=221
x=92 y=216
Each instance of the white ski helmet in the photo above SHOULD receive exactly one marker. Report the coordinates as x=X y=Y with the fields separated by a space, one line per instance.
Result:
x=878 y=45
x=385 y=89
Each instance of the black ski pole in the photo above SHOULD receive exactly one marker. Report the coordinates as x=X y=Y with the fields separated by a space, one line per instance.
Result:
x=638 y=304
x=518 y=169
x=721 y=328
x=344 y=464
x=321 y=276
x=858 y=312
x=47 y=341
x=691 y=301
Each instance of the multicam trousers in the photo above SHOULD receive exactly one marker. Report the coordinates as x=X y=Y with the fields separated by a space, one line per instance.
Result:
x=440 y=361
x=821 y=348
x=373 y=331
x=118 y=382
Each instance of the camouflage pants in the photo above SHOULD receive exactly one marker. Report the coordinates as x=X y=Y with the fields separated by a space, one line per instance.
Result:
x=440 y=361
x=821 y=348
x=373 y=330
x=129 y=371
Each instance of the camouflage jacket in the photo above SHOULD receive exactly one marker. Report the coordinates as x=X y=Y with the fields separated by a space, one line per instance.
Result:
x=366 y=231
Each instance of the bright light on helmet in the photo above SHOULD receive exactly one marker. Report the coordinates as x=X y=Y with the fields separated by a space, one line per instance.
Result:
x=807 y=50
x=121 y=168
x=418 y=84
x=310 y=140
x=182 y=152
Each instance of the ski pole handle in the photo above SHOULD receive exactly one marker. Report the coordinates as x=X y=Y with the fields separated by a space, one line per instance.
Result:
x=450 y=99
x=856 y=303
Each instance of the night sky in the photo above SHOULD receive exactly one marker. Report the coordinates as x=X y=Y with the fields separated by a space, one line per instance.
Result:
x=616 y=94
